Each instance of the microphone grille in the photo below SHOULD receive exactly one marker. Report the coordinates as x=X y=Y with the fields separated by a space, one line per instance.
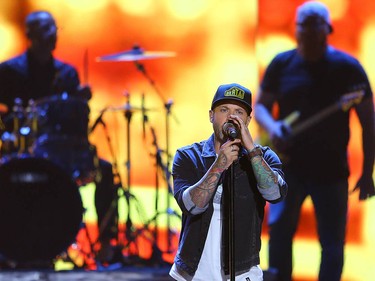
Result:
x=230 y=130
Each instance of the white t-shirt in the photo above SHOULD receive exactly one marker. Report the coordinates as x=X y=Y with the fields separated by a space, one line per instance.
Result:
x=209 y=267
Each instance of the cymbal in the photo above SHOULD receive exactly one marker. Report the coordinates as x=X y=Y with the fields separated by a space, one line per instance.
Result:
x=128 y=107
x=135 y=54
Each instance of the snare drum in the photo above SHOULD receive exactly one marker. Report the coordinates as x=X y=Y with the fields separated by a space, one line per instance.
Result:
x=62 y=136
x=40 y=209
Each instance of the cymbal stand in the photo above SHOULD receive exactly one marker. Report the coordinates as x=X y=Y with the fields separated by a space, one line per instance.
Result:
x=129 y=231
x=166 y=172
x=156 y=256
x=116 y=174
x=167 y=104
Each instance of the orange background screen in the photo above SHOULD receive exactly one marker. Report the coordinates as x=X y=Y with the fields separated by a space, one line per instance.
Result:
x=214 y=42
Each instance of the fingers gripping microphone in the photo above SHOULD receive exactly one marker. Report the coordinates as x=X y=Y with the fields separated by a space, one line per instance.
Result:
x=230 y=130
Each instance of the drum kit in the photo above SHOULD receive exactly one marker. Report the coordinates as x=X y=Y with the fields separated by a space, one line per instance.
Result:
x=44 y=159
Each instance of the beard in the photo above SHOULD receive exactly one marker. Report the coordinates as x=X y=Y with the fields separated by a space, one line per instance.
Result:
x=219 y=134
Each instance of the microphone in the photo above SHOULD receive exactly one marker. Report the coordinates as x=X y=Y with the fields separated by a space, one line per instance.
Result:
x=230 y=130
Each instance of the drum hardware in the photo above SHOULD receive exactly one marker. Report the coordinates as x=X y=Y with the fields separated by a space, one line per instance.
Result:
x=129 y=229
x=75 y=250
x=40 y=211
x=55 y=142
x=135 y=54
x=156 y=254
x=99 y=120
x=165 y=168
x=18 y=111
x=24 y=132
x=168 y=113
x=19 y=139
x=8 y=143
x=124 y=108
x=61 y=135
x=128 y=110
x=117 y=178
x=32 y=115
x=144 y=117
x=18 y=116
x=27 y=130
x=160 y=168
x=45 y=153
x=131 y=233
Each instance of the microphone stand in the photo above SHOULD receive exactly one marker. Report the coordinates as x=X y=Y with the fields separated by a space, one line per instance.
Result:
x=232 y=133
x=99 y=120
x=116 y=174
x=231 y=226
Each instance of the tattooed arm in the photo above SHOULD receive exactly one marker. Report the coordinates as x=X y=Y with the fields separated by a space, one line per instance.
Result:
x=265 y=163
x=196 y=177
x=269 y=178
x=202 y=192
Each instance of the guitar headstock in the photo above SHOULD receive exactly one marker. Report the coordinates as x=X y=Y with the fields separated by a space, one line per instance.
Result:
x=351 y=98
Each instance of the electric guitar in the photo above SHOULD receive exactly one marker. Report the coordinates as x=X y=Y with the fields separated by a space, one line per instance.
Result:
x=344 y=104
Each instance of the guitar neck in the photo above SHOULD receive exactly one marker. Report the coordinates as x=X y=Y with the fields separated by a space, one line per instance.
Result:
x=315 y=119
x=344 y=104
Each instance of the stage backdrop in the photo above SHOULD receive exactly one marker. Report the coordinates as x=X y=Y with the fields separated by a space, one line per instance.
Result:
x=201 y=44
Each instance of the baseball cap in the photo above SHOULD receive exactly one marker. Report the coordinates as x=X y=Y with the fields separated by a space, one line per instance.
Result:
x=233 y=92
x=313 y=9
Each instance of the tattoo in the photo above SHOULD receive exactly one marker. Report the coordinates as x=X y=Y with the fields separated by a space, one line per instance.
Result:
x=206 y=188
x=263 y=173
x=222 y=161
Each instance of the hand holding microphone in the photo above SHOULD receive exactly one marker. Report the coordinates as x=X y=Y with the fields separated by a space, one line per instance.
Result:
x=230 y=149
x=236 y=128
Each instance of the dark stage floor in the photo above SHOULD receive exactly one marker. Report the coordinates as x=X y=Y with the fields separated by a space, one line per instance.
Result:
x=119 y=274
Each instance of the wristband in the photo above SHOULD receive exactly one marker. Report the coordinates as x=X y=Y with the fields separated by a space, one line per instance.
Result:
x=256 y=151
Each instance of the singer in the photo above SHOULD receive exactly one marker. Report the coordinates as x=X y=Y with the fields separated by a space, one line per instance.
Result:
x=201 y=189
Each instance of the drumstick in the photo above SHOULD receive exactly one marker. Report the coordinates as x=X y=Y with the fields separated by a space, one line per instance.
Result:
x=86 y=67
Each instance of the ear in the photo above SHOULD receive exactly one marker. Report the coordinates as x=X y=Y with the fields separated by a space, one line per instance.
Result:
x=28 y=33
x=211 y=114
x=329 y=29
